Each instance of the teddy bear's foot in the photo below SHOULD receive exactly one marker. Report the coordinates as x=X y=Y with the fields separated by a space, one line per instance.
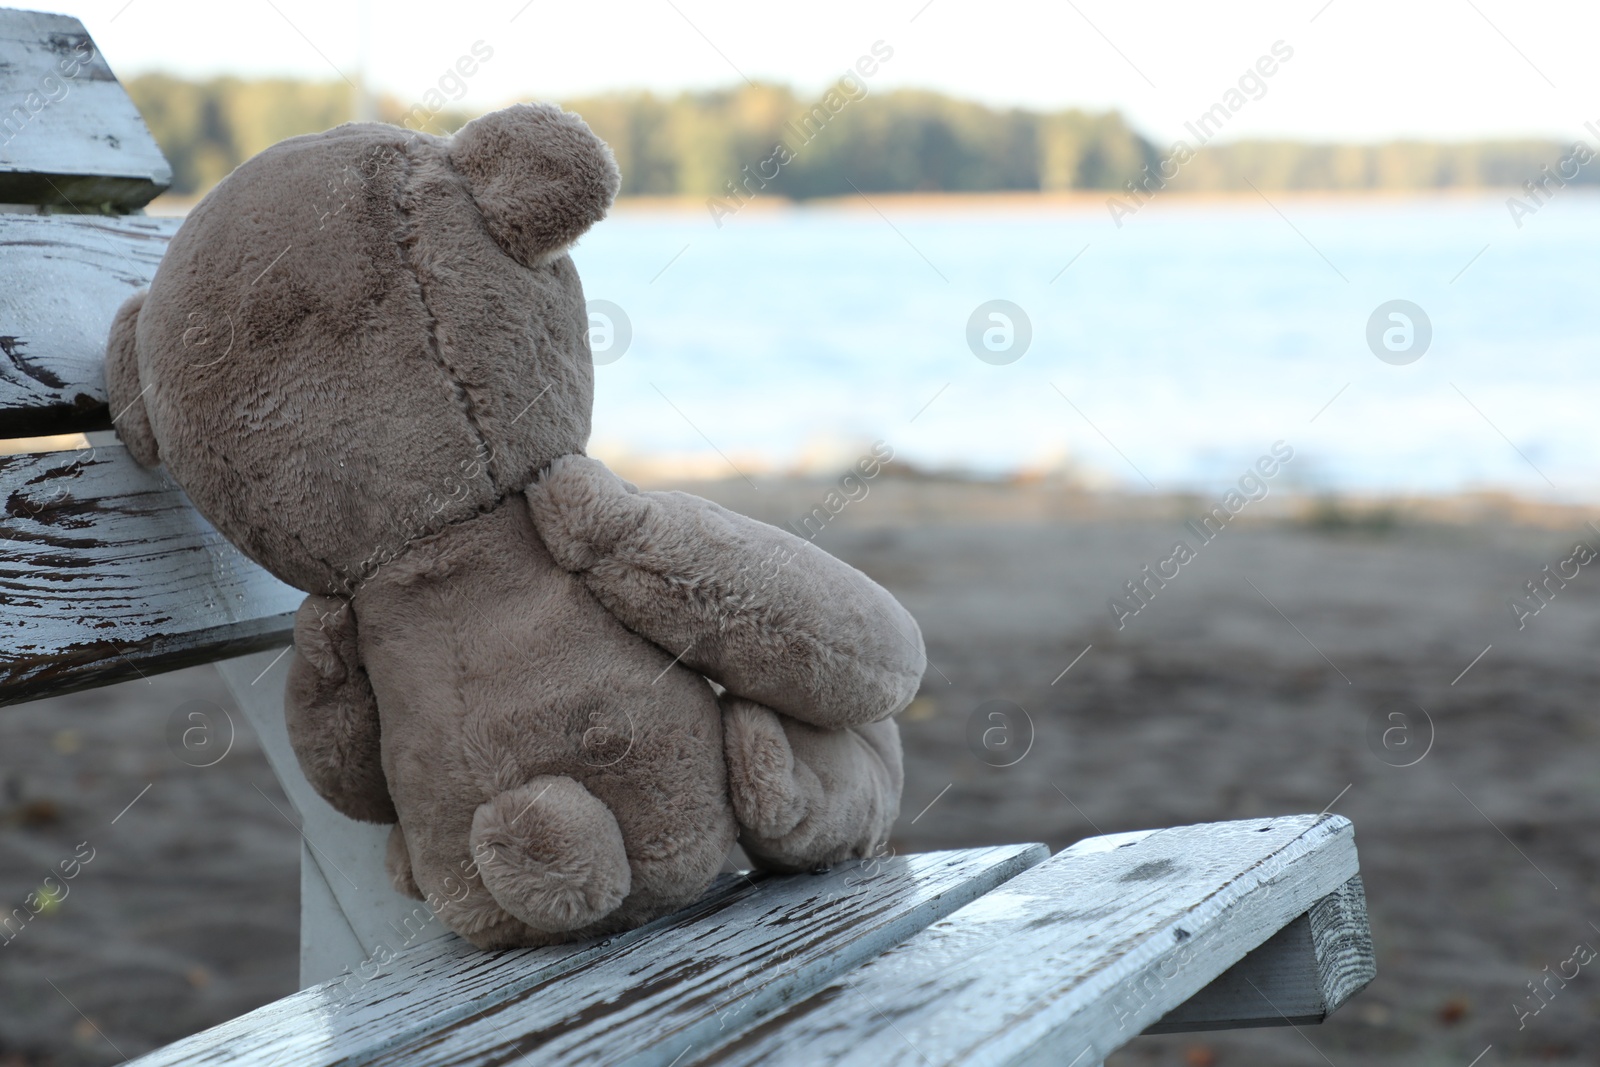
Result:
x=807 y=797
x=551 y=854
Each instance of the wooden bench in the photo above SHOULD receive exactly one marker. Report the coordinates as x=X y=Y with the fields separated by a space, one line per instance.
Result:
x=987 y=955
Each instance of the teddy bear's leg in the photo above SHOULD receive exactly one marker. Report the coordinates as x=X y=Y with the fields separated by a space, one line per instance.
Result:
x=808 y=797
x=551 y=854
x=331 y=712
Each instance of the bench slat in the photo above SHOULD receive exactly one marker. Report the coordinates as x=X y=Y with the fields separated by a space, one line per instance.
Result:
x=394 y=995
x=76 y=142
x=1072 y=959
x=62 y=278
x=107 y=572
x=665 y=978
x=648 y=1004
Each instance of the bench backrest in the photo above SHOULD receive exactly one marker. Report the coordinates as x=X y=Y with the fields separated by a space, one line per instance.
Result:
x=69 y=136
x=106 y=570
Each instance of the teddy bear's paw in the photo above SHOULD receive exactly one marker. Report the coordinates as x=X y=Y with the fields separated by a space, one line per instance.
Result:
x=551 y=854
x=336 y=736
x=769 y=789
x=132 y=420
x=397 y=861
x=849 y=780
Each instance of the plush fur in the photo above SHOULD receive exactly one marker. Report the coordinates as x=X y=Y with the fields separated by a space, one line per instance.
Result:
x=365 y=358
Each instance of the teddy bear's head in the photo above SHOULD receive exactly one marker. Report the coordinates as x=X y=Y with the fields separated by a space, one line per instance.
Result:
x=365 y=335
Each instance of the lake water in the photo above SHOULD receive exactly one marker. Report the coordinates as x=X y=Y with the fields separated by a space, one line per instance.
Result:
x=1171 y=353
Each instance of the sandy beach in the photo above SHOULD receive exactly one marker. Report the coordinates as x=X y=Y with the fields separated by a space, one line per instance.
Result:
x=1248 y=686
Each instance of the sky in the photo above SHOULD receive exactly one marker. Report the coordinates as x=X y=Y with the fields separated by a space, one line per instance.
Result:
x=1358 y=70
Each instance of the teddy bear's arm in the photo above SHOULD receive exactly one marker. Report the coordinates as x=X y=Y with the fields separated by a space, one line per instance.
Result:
x=332 y=714
x=767 y=615
x=807 y=797
x=129 y=413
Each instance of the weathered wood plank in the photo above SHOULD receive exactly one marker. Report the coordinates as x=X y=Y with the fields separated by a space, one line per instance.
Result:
x=1300 y=976
x=62 y=278
x=107 y=572
x=649 y=1005
x=1072 y=959
x=730 y=941
x=395 y=995
x=69 y=134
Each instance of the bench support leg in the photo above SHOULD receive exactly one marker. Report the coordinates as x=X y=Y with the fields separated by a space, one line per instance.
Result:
x=327 y=944
x=1300 y=975
x=349 y=915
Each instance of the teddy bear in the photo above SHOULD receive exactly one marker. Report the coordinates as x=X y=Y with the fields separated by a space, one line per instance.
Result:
x=365 y=359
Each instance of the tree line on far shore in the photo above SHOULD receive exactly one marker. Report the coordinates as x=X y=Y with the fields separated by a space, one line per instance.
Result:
x=698 y=143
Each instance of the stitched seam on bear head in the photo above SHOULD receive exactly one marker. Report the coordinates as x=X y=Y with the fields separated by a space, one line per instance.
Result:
x=407 y=238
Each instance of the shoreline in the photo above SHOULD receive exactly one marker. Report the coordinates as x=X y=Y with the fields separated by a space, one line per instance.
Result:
x=1031 y=495
x=904 y=492
x=898 y=497
x=1068 y=201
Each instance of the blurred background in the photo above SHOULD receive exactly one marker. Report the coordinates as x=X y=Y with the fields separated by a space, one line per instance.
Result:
x=1078 y=268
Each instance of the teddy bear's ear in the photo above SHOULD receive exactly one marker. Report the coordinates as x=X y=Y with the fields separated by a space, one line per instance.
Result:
x=123 y=390
x=539 y=175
